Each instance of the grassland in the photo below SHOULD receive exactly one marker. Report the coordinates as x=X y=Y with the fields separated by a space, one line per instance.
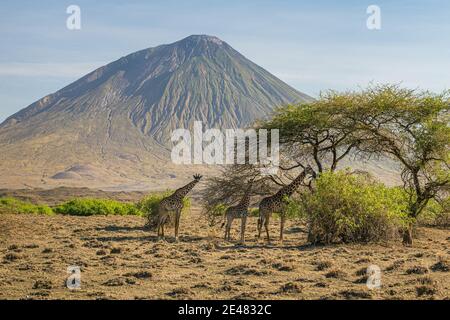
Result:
x=121 y=260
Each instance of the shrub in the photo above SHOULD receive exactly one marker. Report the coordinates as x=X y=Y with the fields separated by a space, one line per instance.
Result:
x=352 y=208
x=293 y=208
x=436 y=213
x=253 y=212
x=90 y=207
x=15 y=206
x=149 y=207
x=214 y=214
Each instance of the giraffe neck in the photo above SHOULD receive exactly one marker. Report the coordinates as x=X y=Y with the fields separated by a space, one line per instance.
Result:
x=183 y=191
x=290 y=188
x=245 y=202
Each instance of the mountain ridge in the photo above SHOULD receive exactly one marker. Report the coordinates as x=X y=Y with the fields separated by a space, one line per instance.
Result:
x=117 y=120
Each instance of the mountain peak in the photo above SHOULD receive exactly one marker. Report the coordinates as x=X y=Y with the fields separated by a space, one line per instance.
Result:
x=202 y=38
x=201 y=43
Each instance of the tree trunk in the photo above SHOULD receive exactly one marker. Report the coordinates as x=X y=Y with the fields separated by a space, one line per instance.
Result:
x=408 y=232
x=407 y=236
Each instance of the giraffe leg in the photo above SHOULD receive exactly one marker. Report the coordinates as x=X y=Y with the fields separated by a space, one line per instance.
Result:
x=243 y=224
x=282 y=220
x=177 y=223
x=229 y=223
x=259 y=227
x=266 y=226
x=161 y=221
x=159 y=228
x=226 y=228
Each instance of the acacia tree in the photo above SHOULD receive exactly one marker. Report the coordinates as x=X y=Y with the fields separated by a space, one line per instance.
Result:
x=412 y=127
x=317 y=134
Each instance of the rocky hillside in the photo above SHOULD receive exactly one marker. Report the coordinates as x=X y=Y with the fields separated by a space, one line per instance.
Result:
x=112 y=127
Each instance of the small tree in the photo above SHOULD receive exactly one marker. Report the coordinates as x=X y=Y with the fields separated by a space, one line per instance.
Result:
x=413 y=128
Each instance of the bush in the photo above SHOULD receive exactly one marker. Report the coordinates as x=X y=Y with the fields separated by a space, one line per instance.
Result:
x=436 y=214
x=215 y=214
x=90 y=207
x=149 y=207
x=352 y=208
x=253 y=212
x=15 y=206
x=293 y=208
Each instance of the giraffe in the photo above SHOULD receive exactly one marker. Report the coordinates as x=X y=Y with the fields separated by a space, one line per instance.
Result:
x=239 y=211
x=173 y=203
x=275 y=203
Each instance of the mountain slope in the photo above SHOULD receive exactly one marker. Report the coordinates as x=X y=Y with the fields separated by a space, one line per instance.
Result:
x=112 y=127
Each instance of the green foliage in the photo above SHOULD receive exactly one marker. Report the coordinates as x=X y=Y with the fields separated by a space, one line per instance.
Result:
x=90 y=207
x=253 y=212
x=214 y=213
x=350 y=208
x=319 y=132
x=15 y=206
x=293 y=208
x=412 y=127
x=436 y=213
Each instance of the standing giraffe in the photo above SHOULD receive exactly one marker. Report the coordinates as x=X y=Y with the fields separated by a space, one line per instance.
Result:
x=173 y=203
x=239 y=211
x=275 y=203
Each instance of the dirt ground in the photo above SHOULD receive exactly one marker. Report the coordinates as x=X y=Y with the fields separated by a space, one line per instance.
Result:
x=120 y=260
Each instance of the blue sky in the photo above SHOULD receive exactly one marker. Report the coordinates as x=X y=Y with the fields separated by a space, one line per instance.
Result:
x=312 y=45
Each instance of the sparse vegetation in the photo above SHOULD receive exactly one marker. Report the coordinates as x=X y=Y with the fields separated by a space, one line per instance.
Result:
x=323 y=265
x=91 y=207
x=214 y=213
x=441 y=266
x=417 y=270
x=88 y=206
x=436 y=213
x=15 y=206
x=336 y=273
x=265 y=272
x=426 y=290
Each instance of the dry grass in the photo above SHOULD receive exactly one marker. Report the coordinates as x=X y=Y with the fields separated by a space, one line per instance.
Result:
x=120 y=260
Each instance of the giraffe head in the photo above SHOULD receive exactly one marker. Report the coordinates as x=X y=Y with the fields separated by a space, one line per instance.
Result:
x=309 y=170
x=250 y=183
x=197 y=177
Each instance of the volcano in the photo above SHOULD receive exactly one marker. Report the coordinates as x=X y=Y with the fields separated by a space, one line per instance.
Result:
x=112 y=127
